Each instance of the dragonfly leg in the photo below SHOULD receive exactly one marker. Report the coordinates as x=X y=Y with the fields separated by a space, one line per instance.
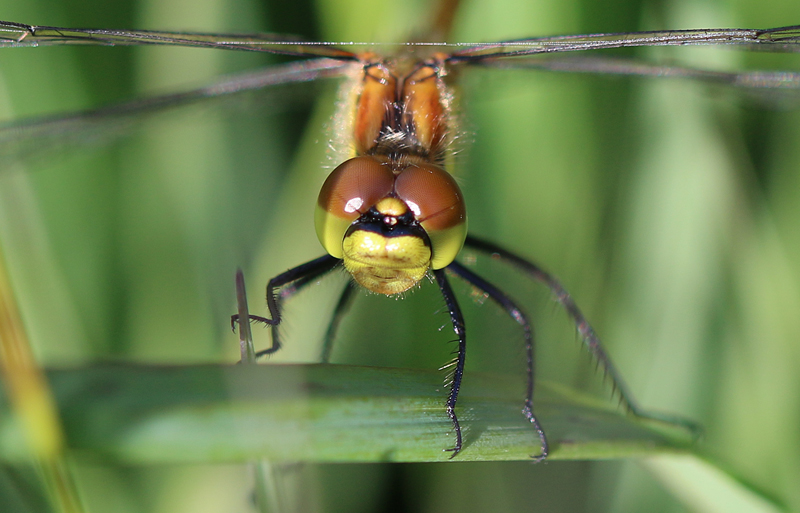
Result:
x=454 y=380
x=294 y=280
x=590 y=339
x=519 y=316
x=345 y=300
x=585 y=330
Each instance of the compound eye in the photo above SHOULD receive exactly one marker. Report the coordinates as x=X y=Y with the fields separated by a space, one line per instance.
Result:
x=348 y=192
x=438 y=204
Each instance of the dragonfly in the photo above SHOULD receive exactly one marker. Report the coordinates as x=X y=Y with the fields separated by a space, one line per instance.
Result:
x=392 y=199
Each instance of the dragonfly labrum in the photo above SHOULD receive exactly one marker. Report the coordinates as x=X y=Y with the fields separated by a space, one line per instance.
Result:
x=391 y=213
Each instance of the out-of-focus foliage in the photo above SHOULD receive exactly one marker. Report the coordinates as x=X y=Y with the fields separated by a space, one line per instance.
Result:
x=668 y=208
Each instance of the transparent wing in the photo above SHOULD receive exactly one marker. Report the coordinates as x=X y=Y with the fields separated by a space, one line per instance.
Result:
x=17 y=34
x=620 y=66
x=14 y=34
x=34 y=137
x=778 y=39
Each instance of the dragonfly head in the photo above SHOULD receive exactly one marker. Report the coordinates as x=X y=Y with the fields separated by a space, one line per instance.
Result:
x=390 y=225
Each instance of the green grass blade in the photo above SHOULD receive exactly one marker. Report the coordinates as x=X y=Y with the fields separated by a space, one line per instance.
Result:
x=705 y=487
x=150 y=414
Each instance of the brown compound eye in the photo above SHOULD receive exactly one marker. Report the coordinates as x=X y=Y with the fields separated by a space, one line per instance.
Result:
x=438 y=204
x=349 y=191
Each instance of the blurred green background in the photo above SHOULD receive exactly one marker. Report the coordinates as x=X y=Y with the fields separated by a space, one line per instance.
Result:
x=670 y=210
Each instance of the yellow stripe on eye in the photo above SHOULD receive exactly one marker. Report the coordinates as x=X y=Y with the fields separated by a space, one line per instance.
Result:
x=330 y=230
x=446 y=244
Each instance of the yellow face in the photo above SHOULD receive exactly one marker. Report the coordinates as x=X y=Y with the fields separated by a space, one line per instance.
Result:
x=384 y=263
x=390 y=226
